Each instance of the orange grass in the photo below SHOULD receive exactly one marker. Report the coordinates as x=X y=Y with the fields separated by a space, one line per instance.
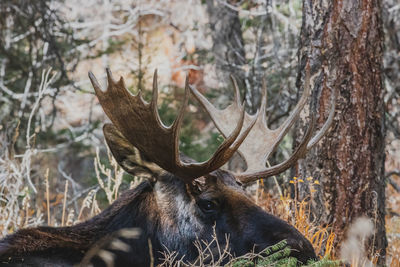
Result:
x=321 y=236
x=393 y=225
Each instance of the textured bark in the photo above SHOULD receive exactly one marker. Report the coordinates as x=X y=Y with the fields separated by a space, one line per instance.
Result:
x=343 y=42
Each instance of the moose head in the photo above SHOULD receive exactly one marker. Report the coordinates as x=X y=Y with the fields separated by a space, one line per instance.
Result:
x=188 y=200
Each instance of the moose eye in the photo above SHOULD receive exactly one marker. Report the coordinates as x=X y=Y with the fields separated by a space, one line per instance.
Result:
x=207 y=206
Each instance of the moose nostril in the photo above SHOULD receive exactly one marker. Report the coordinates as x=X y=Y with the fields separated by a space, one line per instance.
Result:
x=302 y=250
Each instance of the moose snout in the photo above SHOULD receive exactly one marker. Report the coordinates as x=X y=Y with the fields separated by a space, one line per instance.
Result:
x=270 y=230
x=301 y=249
x=299 y=245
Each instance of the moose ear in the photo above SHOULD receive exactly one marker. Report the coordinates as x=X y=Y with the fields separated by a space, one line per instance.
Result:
x=127 y=155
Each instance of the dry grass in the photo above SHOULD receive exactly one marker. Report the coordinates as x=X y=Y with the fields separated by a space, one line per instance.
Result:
x=16 y=186
x=15 y=201
x=21 y=207
x=393 y=225
x=215 y=253
x=322 y=238
x=298 y=214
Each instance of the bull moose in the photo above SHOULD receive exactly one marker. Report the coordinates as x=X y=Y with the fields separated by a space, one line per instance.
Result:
x=185 y=202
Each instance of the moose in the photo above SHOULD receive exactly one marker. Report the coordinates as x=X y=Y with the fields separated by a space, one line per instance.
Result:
x=187 y=200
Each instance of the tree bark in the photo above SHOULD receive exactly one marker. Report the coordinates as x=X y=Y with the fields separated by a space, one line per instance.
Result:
x=343 y=43
x=230 y=55
x=228 y=44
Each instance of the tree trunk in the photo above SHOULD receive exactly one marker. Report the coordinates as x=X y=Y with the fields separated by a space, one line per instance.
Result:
x=230 y=55
x=228 y=44
x=343 y=43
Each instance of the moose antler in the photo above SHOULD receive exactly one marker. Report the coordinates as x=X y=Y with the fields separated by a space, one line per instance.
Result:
x=262 y=141
x=140 y=124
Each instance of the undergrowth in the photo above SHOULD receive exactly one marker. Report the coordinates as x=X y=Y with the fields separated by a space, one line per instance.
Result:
x=278 y=255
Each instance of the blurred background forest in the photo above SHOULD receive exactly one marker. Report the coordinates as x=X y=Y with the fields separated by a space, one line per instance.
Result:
x=54 y=166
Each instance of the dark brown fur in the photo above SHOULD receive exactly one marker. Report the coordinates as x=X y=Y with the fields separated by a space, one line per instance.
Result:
x=153 y=208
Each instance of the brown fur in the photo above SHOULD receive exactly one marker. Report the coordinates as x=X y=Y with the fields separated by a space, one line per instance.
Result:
x=169 y=214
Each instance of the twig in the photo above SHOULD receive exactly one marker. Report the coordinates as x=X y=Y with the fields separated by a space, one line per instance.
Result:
x=276 y=182
x=81 y=193
x=64 y=202
x=391 y=181
x=44 y=84
x=46 y=176
x=151 y=253
x=75 y=186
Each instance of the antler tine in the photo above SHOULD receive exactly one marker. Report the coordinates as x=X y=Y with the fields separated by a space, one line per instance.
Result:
x=327 y=124
x=225 y=119
x=230 y=145
x=305 y=145
x=264 y=98
x=154 y=97
x=282 y=130
x=262 y=141
x=95 y=84
x=176 y=126
x=247 y=130
x=110 y=78
x=231 y=139
x=236 y=90
x=140 y=124
x=283 y=166
x=153 y=103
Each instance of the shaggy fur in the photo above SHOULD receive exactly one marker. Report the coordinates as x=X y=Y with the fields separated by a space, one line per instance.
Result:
x=169 y=215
